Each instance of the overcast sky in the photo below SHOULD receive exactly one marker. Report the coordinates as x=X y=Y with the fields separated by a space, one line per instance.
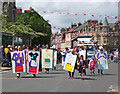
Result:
x=80 y=7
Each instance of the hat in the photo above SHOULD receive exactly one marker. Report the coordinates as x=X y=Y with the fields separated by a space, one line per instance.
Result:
x=100 y=47
x=8 y=46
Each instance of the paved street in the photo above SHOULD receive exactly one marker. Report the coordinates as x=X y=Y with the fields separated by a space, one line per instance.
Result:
x=57 y=81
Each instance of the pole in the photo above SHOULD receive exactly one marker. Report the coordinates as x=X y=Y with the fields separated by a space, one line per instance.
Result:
x=13 y=40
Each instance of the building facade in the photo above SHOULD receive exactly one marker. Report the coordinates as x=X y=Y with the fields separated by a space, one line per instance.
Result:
x=103 y=34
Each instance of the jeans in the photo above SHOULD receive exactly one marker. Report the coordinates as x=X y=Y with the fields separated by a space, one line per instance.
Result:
x=99 y=71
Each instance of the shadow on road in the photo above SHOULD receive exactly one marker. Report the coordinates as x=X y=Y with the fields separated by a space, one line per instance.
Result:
x=110 y=74
x=84 y=78
x=57 y=73
x=59 y=70
x=38 y=77
x=94 y=75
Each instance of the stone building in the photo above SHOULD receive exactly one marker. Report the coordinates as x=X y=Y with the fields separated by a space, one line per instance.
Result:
x=102 y=34
x=10 y=11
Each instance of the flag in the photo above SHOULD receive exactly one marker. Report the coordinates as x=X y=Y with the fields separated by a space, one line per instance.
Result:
x=108 y=16
x=115 y=17
x=94 y=25
x=18 y=11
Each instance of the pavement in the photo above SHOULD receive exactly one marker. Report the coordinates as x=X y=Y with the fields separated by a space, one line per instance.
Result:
x=57 y=81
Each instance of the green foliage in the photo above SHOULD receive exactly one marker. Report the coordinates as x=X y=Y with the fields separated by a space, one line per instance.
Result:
x=30 y=23
x=38 y=24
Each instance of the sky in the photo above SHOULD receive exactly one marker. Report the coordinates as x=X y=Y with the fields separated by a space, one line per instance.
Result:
x=79 y=7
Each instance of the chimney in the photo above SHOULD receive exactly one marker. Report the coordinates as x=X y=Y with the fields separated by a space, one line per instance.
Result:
x=73 y=25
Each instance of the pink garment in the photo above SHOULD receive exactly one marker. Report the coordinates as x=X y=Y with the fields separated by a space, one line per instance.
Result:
x=92 y=64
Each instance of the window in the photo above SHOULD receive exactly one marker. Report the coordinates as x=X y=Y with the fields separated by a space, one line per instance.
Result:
x=108 y=30
x=105 y=30
x=115 y=41
x=95 y=29
x=116 y=30
x=105 y=40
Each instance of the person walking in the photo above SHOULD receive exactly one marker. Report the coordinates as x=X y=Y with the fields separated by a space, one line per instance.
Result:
x=92 y=66
x=101 y=52
x=81 y=64
x=71 y=74
x=47 y=69
x=19 y=49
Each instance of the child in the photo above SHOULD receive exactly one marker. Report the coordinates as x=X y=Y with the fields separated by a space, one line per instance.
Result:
x=92 y=66
x=82 y=66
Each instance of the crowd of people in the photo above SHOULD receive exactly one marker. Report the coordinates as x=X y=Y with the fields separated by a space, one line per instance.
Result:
x=81 y=64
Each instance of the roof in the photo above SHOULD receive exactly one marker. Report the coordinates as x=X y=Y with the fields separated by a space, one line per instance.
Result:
x=80 y=27
x=72 y=29
x=112 y=25
x=105 y=23
x=100 y=23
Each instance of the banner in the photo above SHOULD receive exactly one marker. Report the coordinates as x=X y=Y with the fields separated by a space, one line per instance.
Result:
x=18 y=61
x=70 y=62
x=63 y=58
x=33 y=62
x=47 y=58
x=102 y=60
x=55 y=58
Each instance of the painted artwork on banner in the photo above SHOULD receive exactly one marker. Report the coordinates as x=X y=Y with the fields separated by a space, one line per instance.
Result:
x=83 y=52
x=102 y=60
x=47 y=58
x=18 y=61
x=33 y=62
x=70 y=62
x=55 y=58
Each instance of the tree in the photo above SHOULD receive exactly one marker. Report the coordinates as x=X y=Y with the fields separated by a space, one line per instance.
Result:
x=17 y=28
x=38 y=24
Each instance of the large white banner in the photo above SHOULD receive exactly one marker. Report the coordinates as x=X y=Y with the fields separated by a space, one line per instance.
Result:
x=18 y=61
x=33 y=62
x=102 y=60
x=47 y=58
x=70 y=62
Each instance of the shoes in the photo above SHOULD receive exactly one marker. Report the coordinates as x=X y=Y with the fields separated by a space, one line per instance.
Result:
x=18 y=76
x=68 y=77
x=72 y=77
x=34 y=75
x=101 y=73
x=82 y=78
x=47 y=72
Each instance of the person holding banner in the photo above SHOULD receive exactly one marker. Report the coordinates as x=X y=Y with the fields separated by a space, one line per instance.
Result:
x=47 y=69
x=82 y=66
x=33 y=61
x=71 y=74
x=64 y=55
x=18 y=61
x=102 y=60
